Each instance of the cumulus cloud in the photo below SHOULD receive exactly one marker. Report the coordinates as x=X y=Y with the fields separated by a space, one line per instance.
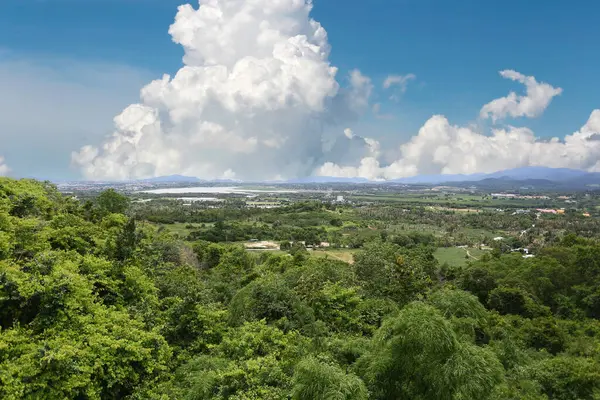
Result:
x=251 y=100
x=354 y=147
x=441 y=147
x=4 y=170
x=257 y=94
x=349 y=147
x=537 y=98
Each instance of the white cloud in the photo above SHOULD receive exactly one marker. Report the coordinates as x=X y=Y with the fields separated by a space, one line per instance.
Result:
x=50 y=105
x=257 y=92
x=440 y=147
x=398 y=80
x=4 y=170
x=537 y=98
x=251 y=101
x=361 y=90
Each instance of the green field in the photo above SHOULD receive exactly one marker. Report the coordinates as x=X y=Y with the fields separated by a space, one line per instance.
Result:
x=342 y=255
x=451 y=201
x=181 y=230
x=456 y=256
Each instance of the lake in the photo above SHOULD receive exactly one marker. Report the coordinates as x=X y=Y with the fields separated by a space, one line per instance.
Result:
x=219 y=190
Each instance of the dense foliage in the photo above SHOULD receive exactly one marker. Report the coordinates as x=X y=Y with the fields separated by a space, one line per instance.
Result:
x=97 y=302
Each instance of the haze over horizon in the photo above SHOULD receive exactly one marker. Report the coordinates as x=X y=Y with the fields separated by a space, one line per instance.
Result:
x=263 y=94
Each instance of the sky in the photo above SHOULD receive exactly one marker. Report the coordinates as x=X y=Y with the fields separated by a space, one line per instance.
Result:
x=275 y=89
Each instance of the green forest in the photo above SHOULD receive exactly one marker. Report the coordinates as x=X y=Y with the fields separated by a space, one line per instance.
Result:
x=99 y=301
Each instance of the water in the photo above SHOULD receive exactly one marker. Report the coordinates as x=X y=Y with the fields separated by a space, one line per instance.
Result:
x=216 y=190
x=193 y=199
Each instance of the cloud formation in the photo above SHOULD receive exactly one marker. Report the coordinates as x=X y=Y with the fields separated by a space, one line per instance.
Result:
x=537 y=98
x=4 y=170
x=257 y=95
x=250 y=102
x=443 y=148
x=399 y=80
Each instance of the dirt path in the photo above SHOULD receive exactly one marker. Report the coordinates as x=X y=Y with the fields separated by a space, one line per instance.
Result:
x=346 y=260
x=473 y=257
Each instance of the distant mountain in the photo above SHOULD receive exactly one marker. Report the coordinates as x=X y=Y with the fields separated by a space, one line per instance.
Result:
x=515 y=174
x=524 y=176
x=506 y=183
x=527 y=176
x=551 y=174
x=437 y=179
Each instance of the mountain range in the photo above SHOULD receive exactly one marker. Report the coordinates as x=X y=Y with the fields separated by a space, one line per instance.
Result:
x=516 y=177
x=539 y=177
x=534 y=176
x=515 y=174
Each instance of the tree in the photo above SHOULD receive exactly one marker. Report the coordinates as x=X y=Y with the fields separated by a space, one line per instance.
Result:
x=385 y=271
x=58 y=340
x=567 y=378
x=110 y=201
x=317 y=380
x=509 y=300
x=126 y=241
x=270 y=299
x=254 y=361
x=479 y=281
x=417 y=355
x=336 y=222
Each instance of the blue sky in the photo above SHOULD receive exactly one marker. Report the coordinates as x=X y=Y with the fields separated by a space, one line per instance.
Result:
x=107 y=49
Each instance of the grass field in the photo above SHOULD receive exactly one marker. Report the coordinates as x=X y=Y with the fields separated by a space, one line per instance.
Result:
x=333 y=254
x=475 y=233
x=342 y=255
x=181 y=230
x=456 y=256
x=457 y=202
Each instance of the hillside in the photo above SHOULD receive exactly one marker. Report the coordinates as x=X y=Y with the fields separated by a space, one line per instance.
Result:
x=98 y=302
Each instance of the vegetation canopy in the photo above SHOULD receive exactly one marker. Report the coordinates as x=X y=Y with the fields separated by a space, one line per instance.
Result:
x=102 y=297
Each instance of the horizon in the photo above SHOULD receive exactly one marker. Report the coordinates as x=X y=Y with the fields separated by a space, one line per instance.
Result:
x=293 y=90
x=178 y=178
